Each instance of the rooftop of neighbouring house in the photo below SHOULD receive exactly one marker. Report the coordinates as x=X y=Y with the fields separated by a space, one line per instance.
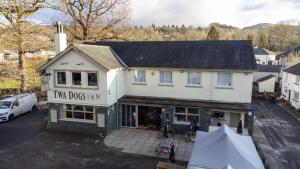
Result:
x=265 y=78
x=288 y=52
x=269 y=68
x=261 y=51
x=294 y=69
x=184 y=54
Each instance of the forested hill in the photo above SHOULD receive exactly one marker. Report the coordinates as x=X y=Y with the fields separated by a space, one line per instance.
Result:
x=273 y=37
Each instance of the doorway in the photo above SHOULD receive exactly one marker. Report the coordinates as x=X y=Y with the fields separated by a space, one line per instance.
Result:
x=290 y=95
x=149 y=117
x=128 y=116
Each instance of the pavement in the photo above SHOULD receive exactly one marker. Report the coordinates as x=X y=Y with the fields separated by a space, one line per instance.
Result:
x=146 y=142
x=288 y=108
x=26 y=144
x=278 y=135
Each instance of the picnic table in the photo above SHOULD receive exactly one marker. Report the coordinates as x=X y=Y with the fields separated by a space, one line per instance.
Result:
x=165 y=146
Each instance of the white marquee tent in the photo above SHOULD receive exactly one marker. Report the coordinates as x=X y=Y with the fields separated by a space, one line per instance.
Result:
x=224 y=149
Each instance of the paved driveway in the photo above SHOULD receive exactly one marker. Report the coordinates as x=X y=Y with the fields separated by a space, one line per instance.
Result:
x=282 y=131
x=25 y=144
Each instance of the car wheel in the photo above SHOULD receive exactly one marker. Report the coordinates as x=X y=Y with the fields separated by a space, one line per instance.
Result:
x=33 y=109
x=11 y=117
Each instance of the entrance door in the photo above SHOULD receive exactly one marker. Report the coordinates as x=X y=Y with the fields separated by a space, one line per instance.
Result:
x=234 y=119
x=290 y=95
x=149 y=117
x=129 y=116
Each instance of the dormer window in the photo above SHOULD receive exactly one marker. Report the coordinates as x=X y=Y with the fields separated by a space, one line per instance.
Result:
x=61 y=78
x=76 y=78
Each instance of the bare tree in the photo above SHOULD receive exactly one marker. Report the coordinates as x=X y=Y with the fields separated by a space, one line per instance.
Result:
x=16 y=13
x=87 y=14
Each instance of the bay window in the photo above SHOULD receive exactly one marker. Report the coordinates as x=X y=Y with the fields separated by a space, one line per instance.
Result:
x=165 y=77
x=224 y=79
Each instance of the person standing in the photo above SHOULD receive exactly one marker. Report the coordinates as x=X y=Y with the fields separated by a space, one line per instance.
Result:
x=172 y=153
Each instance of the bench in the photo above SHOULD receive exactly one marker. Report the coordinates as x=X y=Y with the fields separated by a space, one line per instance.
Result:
x=165 y=165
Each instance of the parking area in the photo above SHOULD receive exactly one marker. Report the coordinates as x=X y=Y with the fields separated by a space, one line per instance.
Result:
x=26 y=144
x=282 y=132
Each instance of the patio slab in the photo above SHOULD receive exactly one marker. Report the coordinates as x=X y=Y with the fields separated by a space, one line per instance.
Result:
x=145 y=142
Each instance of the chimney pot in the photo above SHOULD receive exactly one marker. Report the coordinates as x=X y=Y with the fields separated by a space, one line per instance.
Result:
x=60 y=39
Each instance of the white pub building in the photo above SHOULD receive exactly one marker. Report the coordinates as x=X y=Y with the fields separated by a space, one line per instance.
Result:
x=97 y=87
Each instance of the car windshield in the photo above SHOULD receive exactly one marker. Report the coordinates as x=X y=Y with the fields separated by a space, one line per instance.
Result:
x=5 y=104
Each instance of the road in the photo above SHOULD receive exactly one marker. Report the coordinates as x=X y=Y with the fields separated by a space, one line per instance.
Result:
x=282 y=131
x=26 y=144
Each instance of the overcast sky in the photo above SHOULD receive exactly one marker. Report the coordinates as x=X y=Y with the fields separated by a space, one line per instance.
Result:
x=202 y=12
x=238 y=13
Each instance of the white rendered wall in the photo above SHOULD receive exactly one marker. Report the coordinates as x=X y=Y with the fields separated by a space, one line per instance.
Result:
x=240 y=91
x=72 y=61
x=115 y=85
x=290 y=85
x=267 y=85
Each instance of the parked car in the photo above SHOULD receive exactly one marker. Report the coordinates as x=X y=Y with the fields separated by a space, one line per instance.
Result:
x=14 y=106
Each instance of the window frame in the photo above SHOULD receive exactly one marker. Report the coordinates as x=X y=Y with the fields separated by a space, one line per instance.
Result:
x=225 y=86
x=187 y=115
x=297 y=80
x=160 y=77
x=84 y=111
x=87 y=77
x=80 y=78
x=194 y=84
x=136 y=76
x=294 y=96
x=56 y=78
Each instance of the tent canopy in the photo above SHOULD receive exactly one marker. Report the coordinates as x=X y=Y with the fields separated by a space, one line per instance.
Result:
x=222 y=149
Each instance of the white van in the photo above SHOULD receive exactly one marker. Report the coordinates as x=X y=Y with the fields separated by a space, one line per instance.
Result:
x=14 y=106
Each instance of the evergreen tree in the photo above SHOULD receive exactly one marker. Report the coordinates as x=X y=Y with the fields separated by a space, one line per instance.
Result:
x=213 y=34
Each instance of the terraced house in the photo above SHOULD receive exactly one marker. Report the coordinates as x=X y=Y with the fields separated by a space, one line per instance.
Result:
x=102 y=86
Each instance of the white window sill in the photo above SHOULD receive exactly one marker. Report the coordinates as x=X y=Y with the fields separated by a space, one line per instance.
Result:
x=139 y=83
x=165 y=84
x=78 y=120
x=223 y=87
x=193 y=86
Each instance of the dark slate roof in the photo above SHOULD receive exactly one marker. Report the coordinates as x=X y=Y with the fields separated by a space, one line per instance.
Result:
x=291 y=51
x=265 y=78
x=269 y=68
x=294 y=69
x=185 y=54
x=261 y=51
